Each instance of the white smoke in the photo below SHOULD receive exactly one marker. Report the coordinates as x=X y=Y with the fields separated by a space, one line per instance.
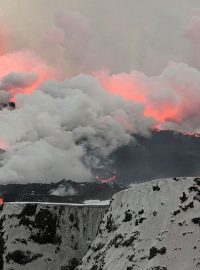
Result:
x=171 y=98
x=82 y=35
x=5 y=96
x=56 y=130
x=18 y=80
x=193 y=34
x=52 y=130
x=62 y=191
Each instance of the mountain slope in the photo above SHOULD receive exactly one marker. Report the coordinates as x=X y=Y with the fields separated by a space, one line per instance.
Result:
x=46 y=236
x=152 y=226
x=162 y=155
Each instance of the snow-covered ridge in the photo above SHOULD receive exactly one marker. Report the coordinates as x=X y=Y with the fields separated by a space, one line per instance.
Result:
x=151 y=226
x=85 y=203
x=46 y=235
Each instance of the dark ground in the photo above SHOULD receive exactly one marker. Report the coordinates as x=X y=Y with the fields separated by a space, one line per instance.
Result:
x=163 y=154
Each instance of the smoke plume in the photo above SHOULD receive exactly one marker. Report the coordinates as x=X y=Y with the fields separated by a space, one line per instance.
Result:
x=193 y=34
x=172 y=99
x=140 y=74
x=52 y=130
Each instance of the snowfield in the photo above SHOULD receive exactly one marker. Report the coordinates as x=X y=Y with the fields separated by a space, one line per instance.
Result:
x=151 y=226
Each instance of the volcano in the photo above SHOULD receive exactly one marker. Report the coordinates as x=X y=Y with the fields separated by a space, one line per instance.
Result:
x=65 y=191
x=164 y=154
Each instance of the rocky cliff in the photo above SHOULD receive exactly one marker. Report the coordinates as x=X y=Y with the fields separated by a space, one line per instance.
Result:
x=152 y=226
x=46 y=236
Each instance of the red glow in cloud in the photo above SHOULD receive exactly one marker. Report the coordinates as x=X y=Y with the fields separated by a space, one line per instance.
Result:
x=25 y=62
x=136 y=87
x=3 y=145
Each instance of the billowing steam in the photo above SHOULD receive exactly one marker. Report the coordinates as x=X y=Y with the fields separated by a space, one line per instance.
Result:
x=51 y=131
x=61 y=128
x=172 y=99
x=23 y=72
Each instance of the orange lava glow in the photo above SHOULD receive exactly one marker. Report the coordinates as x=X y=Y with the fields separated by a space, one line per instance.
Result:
x=104 y=181
x=22 y=62
x=25 y=62
x=133 y=87
x=161 y=115
x=1 y=201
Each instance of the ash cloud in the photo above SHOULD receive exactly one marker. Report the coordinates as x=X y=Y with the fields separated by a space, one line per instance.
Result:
x=5 y=96
x=54 y=129
x=22 y=72
x=83 y=36
x=63 y=126
x=192 y=33
x=172 y=99
x=18 y=80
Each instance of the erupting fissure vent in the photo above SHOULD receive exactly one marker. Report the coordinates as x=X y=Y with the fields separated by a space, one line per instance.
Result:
x=107 y=180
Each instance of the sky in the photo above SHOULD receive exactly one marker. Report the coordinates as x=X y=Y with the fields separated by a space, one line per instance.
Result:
x=116 y=35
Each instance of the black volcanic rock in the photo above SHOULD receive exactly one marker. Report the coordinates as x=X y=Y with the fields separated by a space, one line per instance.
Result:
x=164 y=154
x=50 y=192
x=21 y=257
x=161 y=155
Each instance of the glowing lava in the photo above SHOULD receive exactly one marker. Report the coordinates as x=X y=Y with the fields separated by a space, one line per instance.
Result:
x=105 y=181
x=1 y=201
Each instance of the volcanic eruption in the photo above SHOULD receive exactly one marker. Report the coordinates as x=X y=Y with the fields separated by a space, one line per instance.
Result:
x=64 y=124
x=97 y=97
